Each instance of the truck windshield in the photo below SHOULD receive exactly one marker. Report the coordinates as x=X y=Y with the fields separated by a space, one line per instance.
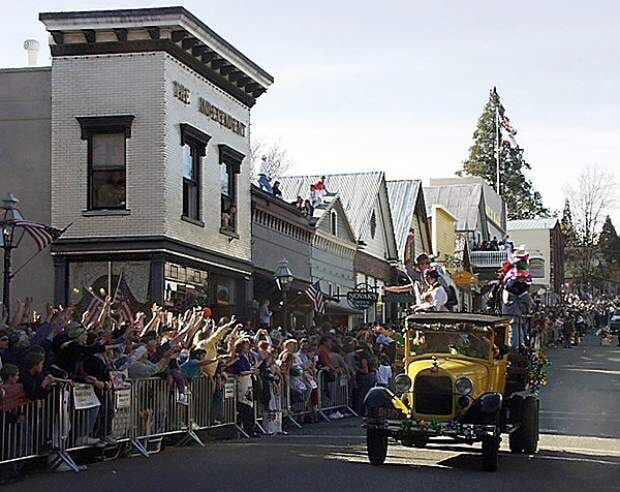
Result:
x=459 y=340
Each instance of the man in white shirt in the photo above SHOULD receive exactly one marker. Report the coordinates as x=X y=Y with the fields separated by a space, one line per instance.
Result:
x=264 y=180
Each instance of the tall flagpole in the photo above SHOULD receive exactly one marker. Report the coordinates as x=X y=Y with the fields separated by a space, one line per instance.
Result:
x=497 y=144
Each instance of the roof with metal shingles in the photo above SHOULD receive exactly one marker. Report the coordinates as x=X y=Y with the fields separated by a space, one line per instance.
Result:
x=403 y=195
x=462 y=201
x=358 y=193
x=531 y=224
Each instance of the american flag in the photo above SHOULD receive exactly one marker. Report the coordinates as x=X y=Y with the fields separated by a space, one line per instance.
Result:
x=94 y=306
x=121 y=298
x=42 y=234
x=317 y=297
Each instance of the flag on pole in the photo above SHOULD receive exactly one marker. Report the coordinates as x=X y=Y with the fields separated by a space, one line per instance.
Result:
x=317 y=297
x=121 y=298
x=95 y=303
x=42 y=234
x=508 y=138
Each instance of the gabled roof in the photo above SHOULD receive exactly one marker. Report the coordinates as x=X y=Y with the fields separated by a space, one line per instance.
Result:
x=532 y=224
x=462 y=201
x=403 y=195
x=358 y=193
x=332 y=201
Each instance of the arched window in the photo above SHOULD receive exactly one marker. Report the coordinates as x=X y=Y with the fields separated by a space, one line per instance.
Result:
x=373 y=224
x=334 y=223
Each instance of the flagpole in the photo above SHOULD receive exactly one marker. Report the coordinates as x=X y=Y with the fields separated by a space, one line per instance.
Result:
x=32 y=257
x=497 y=145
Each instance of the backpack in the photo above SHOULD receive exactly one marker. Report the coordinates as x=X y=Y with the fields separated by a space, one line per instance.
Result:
x=453 y=300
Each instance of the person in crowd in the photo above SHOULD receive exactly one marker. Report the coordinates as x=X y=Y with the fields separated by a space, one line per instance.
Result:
x=229 y=217
x=384 y=372
x=265 y=315
x=241 y=367
x=299 y=203
x=275 y=190
x=308 y=208
x=264 y=179
x=316 y=198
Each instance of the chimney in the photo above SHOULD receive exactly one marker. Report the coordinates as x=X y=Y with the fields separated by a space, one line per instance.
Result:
x=32 y=48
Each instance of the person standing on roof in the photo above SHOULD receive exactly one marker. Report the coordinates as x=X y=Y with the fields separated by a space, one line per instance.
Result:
x=264 y=180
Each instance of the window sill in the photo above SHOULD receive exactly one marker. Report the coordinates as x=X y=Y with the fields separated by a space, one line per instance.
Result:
x=229 y=233
x=197 y=222
x=105 y=212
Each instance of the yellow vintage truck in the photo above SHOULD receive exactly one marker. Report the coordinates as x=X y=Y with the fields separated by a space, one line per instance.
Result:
x=459 y=381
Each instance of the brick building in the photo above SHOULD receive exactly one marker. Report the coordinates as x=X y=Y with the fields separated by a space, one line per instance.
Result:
x=150 y=128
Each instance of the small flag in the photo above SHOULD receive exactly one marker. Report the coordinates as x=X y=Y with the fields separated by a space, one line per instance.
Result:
x=42 y=234
x=508 y=139
x=95 y=303
x=317 y=297
x=121 y=297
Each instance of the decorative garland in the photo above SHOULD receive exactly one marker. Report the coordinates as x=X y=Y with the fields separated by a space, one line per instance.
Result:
x=537 y=371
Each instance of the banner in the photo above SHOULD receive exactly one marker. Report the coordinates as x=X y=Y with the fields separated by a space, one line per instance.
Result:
x=84 y=397
x=123 y=398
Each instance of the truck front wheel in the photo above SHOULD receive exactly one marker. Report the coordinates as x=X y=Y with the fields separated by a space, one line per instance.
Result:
x=376 y=444
x=490 y=453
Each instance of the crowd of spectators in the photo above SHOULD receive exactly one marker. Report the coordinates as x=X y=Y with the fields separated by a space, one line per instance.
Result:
x=494 y=244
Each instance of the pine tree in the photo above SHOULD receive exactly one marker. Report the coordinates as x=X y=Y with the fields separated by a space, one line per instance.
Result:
x=522 y=201
x=609 y=243
x=566 y=224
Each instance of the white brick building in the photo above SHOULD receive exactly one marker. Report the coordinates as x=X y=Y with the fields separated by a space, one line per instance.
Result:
x=150 y=128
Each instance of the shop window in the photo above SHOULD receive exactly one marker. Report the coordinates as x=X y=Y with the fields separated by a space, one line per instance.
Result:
x=106 y=160
x=194 y=144
x=230 y=166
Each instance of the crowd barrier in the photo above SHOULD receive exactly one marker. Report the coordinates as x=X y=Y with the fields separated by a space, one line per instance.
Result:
x=136 y=416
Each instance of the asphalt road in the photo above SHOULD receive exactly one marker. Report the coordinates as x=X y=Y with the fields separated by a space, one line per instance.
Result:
x=579 y=450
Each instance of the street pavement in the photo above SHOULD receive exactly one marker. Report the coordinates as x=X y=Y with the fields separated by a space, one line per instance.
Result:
x=579 y=450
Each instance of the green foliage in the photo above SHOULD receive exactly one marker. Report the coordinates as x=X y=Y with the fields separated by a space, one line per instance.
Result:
x=522 y=201
x=609 y=244
x=567 y=226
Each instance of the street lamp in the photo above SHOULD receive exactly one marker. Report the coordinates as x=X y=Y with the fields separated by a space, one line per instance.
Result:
x=9 y=213
x=284 y=277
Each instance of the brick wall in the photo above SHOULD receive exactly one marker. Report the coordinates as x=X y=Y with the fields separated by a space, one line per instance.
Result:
x=177 y=112
x=99 y=86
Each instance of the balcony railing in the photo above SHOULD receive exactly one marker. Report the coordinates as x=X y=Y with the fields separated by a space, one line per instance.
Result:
x=488 y=259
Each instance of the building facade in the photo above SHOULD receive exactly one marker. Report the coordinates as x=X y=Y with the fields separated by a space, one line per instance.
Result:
x=280 y=231
x=364 y=197
x=149 y=133
x=544 y=240
x=25 y=149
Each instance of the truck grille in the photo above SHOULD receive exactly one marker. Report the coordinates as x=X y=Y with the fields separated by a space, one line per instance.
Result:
x=433 y=395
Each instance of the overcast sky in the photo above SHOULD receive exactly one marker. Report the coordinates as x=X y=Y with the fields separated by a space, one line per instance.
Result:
x=398 y=85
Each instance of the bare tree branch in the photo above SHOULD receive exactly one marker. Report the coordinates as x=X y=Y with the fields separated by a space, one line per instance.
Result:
x=277 y=157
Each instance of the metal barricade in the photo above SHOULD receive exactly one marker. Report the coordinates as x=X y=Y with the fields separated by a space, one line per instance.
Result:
x=333 y=394
x=155 y=412
x=213 y=407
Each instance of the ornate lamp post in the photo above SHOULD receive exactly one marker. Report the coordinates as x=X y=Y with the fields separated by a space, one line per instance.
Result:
x=9 y=240
x=284 y=277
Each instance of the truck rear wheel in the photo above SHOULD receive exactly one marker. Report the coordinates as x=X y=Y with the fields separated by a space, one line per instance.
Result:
x=376 y=444
x=525 y=438
x=530 y=425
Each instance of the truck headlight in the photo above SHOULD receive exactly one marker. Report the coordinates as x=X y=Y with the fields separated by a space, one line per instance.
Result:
x=402 y=383
x=463 y=386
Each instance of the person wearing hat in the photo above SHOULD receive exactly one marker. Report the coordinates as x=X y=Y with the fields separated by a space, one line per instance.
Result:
x=436 y=296
x=70 y=348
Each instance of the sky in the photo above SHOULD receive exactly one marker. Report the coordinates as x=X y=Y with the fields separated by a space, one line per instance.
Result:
x=399 y=85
